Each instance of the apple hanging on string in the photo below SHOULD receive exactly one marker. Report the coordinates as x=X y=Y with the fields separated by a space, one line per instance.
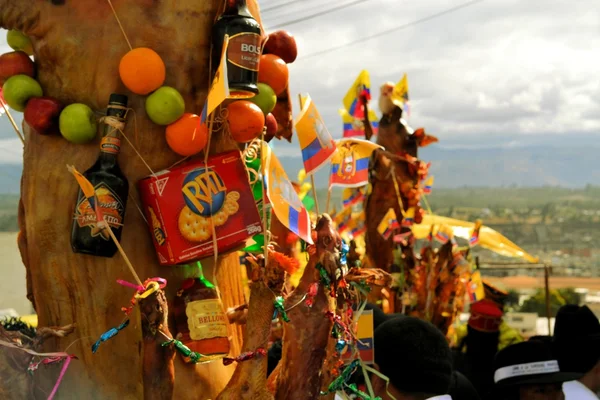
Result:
x=42 y=114
x=15 y=63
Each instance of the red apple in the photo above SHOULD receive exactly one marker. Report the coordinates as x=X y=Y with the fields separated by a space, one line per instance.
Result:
x=15 y=63
x=271 y=124
x=283 y=45
x=41 y=114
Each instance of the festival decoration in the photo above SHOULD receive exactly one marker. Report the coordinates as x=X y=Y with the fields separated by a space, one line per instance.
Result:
x=274 y=72
x=200 y=319
x=350 y=165
x=315 y=141
x=388 y=224
x=283 y=197
x=142 y=70
x=355 y=102
x=352 y=196
x=400 y=95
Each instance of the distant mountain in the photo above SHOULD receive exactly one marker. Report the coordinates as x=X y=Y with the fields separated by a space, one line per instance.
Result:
x=529 y=166
x=496 y=167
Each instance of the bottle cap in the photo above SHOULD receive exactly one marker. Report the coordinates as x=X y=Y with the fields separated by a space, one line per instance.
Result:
x=118 y=99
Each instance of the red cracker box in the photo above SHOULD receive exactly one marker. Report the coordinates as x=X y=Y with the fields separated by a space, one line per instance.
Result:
x=177 y=204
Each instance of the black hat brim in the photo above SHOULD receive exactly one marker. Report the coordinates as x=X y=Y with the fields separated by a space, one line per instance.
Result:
x=539 y=379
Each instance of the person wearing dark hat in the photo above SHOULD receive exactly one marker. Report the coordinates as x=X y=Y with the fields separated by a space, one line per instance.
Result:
x=529 y=371
x=476 y=352
x=577 y=345
x=461 y=388
x=415 y=357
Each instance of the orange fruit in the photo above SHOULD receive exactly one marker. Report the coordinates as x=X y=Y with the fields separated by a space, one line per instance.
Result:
x=187 y=136
x=142 y=70
x=246 y=120
x=274 y=72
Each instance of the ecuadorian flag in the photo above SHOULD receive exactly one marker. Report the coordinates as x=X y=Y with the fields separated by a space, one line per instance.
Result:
x=284 y=200
x=315 y=141
x=343 y=218
x=352 y=196
x=350 y=164
x=388 y=224
x=353 y=112
x=475 y=287
x=428 y=185
x=409 y=218
x=474 y=239
x=354 y=125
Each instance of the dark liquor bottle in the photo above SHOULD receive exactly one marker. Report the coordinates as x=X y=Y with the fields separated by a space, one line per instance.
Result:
x=244 y=50
x=112 y=189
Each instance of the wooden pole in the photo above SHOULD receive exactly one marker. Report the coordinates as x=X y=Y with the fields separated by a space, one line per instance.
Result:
x=328 y=200
x=547 y=288
x=312 y=178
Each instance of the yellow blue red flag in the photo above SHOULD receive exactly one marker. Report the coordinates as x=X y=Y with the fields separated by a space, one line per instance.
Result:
x=400 y=94
x=343 y=218
x=428 y=185
x=475 y=287
x=352 y=196
x=474 y=239
x=354 y=125
x=315 y=141
x=350 y=164
x=408 y=218
x=284 y=200
x=388 y=224
x=353 y=112
x=219 y=89
x=357 y=226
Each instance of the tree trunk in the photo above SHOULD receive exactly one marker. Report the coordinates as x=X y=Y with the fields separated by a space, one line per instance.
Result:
x=77 y=46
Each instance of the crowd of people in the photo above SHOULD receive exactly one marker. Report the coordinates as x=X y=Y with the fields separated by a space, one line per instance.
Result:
x=489 y=361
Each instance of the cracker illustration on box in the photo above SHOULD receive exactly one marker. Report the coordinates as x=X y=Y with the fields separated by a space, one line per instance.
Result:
x=195 y=201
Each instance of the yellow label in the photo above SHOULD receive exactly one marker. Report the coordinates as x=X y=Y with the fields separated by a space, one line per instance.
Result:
x=206 y=319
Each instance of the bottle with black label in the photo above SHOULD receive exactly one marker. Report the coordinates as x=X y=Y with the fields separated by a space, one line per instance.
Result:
x=244 y=50
x=112 y=189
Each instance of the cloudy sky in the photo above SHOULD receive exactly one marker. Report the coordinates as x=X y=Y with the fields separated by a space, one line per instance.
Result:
x=496 y=72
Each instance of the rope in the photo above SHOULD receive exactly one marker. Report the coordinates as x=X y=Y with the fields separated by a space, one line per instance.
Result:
x=120 y=26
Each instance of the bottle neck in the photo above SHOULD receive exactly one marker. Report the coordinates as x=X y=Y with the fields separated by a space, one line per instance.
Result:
x=236 y=7
x=110 y=146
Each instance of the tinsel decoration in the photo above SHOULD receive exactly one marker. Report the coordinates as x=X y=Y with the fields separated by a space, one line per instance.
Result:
x=360 y=394
x=184 y=350
x=311 y=293
x=248 y=355
x=342 y=380
x=112 y=332
x=325 y=279
x=280 y=309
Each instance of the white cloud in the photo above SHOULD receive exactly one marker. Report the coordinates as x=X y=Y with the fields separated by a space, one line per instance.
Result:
x=496 y=72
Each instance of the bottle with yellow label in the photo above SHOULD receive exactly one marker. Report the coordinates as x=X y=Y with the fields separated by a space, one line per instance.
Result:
x=200 y=319
x=111 y=186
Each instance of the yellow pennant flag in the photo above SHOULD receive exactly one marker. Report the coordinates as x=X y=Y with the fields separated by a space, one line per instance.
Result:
x=362 y=82
x=219 y=89
x=400 y=94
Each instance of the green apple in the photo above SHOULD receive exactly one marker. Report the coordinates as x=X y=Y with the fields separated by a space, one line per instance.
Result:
x=20 y=88
x=165 y=106
x=77 y=123
x=265 y=99
x=18 y=41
